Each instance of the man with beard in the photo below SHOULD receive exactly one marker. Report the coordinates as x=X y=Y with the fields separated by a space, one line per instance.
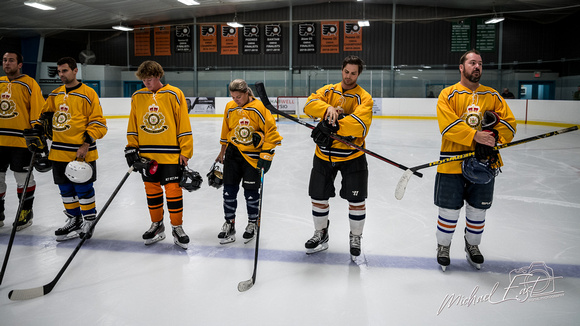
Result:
x=471 y=117
x=346 y=110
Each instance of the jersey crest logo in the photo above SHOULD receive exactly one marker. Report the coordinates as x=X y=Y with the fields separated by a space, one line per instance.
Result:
x=472 y=116
x=61 y=118
x=243 y=132
x=154 y=121
x=7 y=107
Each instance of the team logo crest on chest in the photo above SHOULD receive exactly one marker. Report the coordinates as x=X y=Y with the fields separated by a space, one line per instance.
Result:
x=61 y=118
x=7 y=106
x=243 y=132
x=153 y=120
x=472 y=116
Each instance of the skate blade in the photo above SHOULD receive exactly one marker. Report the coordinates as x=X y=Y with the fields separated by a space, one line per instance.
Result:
x=228 y=240
x=182 y=245
x=250 y=239
x=23 y=226
x=320 y=248
x=472 y=263
x=156 y=238
x=443 y=268
x=71 y=235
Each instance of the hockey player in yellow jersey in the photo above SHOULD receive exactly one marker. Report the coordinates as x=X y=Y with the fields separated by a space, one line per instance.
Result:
x=346 y=110
x=77 y=123
x=248 y=138
x=21 y=102
x=471 y=117
x=159 y=129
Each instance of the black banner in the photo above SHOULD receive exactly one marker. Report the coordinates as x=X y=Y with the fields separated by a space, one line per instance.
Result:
x=273 y=42
x=251 y=44
x=307 y=38
x=182 y=38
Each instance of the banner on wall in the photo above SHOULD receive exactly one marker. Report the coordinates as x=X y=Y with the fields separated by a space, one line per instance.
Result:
x=329 y=42
x=273 y=42
x=352 y=40
x=208 y=38
x=251 y=43
x=306 y=38
x=162 y=40
x=229 y=40
x=142 y=39
x=200 y=105
x=183 y=38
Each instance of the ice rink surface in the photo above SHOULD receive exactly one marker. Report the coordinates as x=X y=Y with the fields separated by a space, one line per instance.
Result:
x=531 y=244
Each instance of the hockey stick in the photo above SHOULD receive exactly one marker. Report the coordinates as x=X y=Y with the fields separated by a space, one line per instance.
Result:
x=246 y=285
x=261 y=90
x=402 y=185
x=44 y=290
x=14 y=226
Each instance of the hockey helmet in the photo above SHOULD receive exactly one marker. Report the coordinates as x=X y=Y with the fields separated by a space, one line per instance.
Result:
x=215 y=177
x=42 y=163
x=78 y=171
x=190 y=180
x=478 y=172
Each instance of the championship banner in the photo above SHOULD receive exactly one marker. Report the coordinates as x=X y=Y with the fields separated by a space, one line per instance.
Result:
x=208 y=38
x=352 y=39
x=182 y=38
x=273 y=42
x=329 y=42
x=142 y=39
x=251 y=43
x=229 y=40
x=306 y=38
x=162 y=40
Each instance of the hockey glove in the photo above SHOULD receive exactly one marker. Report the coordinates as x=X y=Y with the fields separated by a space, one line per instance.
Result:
x=484 y=152
x=46 y=121
x=132 y=156
x=257 y=139
x=490 y=120
x=321 y=133
x=146 y=167
x=265 y=160
x=35 y=138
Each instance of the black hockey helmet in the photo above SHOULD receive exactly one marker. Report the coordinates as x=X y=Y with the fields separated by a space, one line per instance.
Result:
x=42 y=163
x=190 y=180
x=478 y=172
x=215 y=177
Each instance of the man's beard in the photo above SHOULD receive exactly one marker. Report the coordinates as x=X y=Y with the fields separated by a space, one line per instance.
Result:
x=471 y=77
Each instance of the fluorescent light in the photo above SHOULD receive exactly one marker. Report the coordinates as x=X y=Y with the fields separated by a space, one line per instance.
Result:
x=494 y=20
x=39 y=6
x=123 y=28
x=235 y=24
x=363 y=23
x=189 y=2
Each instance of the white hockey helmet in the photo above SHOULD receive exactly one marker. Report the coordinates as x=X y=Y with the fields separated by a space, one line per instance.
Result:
x=78 y=171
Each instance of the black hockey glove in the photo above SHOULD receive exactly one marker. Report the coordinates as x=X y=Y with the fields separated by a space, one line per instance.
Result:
x=321 y=133
x=484 y=152
x=265 y=160
x=46 y=122
x=35 y=138
x=257 y=139
x=132 y=156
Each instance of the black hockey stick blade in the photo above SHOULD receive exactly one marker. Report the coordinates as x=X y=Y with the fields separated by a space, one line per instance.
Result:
x=27 y=294
x=261 y=90
x=246 y=285
x=402 y=184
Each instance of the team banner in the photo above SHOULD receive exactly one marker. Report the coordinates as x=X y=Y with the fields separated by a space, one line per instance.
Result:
x=142 y=39
x=352 y=39
x=229 y=40
x=208 y=38
x=182 y=38
x=162 y=40
x=273 y=42
x=306 y=38
x=329 y=37
x=251 y=42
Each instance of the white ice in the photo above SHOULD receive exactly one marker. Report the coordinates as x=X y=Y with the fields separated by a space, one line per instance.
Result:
x=116 y=280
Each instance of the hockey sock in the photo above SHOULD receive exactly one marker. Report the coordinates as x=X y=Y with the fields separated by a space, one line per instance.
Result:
x=230 y=201
x=154 y=200
x=174 y=197
x=356 y=216
x=70 y=199
x=252 y=203
x=86 y=194
x=446 y=224
x=29 y=193
x=475 y=221
x=320 y=209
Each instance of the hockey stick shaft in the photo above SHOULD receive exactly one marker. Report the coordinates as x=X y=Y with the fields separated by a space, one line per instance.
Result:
x=14 y=226
x=261 y=90
x=402 y=185
x=246 y=285
x=46 y=289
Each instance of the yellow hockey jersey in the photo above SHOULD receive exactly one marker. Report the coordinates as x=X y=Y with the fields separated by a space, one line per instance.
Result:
x=20 y=104
x=240 y=124
x=77 y=114
x=460 y=112
x=358 y=108
x=159 y=125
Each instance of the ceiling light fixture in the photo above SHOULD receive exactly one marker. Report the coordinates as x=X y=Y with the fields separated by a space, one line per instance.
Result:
x=189 y=2
x=38 y=5
x=235 y=23
x=494 y=20
x=123 y=28
x=364 y=23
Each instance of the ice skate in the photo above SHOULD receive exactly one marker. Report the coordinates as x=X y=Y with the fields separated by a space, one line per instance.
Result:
x=355 y=245
x=250 y=232
x=228 y=233
x=86 y=231
x=24 y=220
x=71 y=229
x=318 y=242
x=473 y=255
x=155 y=233
x=443 y=256
x=2 y=217
x=179 y=237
